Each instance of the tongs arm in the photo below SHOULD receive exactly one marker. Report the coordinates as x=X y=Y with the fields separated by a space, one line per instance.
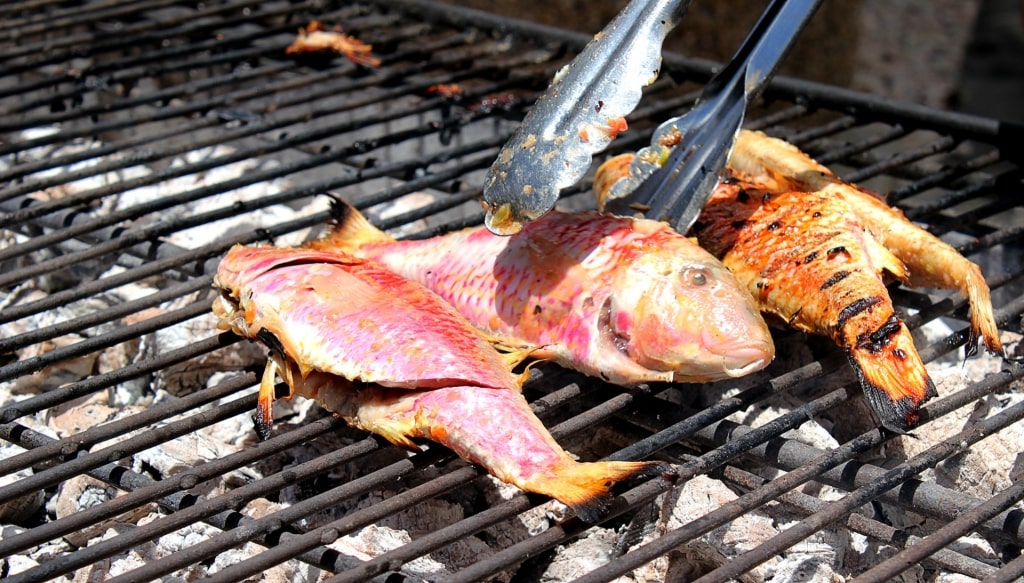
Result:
x=701 y=139
x=578 y=115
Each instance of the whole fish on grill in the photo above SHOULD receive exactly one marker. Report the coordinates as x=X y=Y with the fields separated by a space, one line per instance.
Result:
x=392 y=358
x=815 y=252
x=626 y=300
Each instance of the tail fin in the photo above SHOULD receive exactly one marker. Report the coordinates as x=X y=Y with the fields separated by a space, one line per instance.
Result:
x=895 y=381
x=586 y=487
x=983 y=322
x=350 y=230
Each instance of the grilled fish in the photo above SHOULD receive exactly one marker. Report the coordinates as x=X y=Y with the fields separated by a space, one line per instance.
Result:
x=815 y=252
x=626 y=300
x=930 y=262
x=392 y=358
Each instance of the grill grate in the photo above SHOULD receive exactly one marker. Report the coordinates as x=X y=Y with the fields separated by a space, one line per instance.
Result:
x=141 y=140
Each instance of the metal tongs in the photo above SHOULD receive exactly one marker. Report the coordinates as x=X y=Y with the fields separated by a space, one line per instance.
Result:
x=523 y=184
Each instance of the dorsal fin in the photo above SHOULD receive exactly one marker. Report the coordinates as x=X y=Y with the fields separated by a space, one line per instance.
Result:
x=349 y=229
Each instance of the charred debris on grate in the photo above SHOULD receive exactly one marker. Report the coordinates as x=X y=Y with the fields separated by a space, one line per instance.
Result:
x=146 y=125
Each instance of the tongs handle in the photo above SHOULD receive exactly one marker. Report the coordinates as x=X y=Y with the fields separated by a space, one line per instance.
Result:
x=578 y=115
x=681 y=186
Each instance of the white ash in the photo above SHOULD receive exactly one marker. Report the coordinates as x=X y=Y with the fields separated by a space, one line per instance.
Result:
x=581 y=556
x=373 y=541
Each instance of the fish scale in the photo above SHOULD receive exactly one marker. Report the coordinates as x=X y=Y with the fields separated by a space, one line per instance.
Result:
x=391 y=357
x=626 y=300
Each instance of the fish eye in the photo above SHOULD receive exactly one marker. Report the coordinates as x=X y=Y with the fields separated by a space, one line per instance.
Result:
x=696 y=276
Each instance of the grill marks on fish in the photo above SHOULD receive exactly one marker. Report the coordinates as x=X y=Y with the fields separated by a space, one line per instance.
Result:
x=930 y=262
x=815 y=251
x=809 y=261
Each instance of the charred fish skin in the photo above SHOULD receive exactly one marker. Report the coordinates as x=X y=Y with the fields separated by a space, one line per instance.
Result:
x=777 y=165
x=626 y=300
x=810 y=262
x=309 y=308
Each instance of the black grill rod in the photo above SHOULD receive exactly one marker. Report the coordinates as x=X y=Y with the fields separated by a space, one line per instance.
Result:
x=848 y=150
x=139 y=117
x=893 y=164
x=264 y=124
x=306 y=544
x=129 y=69
x=146 y=32
x=806 y=504
x=16 y=342
x=147 y=236
x=51 y=530
x=812 y=470
x=63 y=394
x=187 y=509
x=501 y=512
x=200 y=61
x=975 y=189
x=948 y=174
x=970 y=221
x=946 y=534
x=72 y=17
x=918 y=496
x=705 y=463
x=280 y=89
x=233 y=78
x=42 y=456
x=1010 y=572
x=85 y=461
x=815 y=95
x=14 y=214
x=205 y=258
x=170 y=486
x=837 y=510
x=30 y=10
x=96 y=343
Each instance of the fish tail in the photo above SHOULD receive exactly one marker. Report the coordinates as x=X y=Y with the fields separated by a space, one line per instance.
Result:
x=586 y=486
x=983 y=322
x=497 y=429
x=350 y=230
x=894 y=380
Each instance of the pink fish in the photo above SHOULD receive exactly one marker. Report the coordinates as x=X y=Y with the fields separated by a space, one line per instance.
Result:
x=627 y=300
x=391 y=357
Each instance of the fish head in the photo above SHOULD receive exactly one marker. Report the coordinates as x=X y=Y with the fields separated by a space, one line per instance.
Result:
x=681 y=310
x=236 y=273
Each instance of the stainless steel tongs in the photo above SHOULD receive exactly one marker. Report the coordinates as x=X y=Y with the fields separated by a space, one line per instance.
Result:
x=523 y=184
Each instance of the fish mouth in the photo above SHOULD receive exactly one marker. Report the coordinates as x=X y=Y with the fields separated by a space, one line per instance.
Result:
x=743 y=367
x=740 y=359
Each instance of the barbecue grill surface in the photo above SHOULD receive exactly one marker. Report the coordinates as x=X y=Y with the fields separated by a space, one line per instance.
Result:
x=139 y=141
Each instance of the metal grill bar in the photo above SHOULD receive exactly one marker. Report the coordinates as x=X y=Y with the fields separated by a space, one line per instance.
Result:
x=180 y=79
x=956 y=528
x=859 y=523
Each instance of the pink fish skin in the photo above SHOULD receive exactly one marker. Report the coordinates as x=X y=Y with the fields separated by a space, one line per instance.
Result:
x=326 y=310
x=627 y=300
x=393 y=358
